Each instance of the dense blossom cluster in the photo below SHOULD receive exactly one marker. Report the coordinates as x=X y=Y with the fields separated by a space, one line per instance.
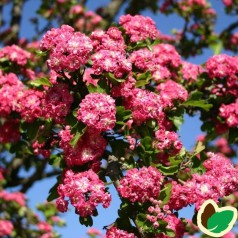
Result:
x=230 y=113
x=15 y=54
x=171 y=92
x=122 y=93
x=141 y=185
x=159 y=61
x=114 y=232
x=68 y=49
x=89 y=148
x=6 y=228
x=10 y=88
x=85 y=191
x=56 y=102
x=98 y=111
x=139 y=27
x=167 y=141
x=17 y=197
x=219 y=180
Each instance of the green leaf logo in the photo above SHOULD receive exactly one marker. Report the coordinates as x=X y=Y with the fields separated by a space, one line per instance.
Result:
x=215 y=221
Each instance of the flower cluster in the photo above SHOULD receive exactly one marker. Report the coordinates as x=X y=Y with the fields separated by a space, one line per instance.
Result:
x=141 y=185
x=6 y=228
x=85 y=191
x=167 y=141
x=171 y=92
x=15 y=54
x=29 y=104
x=56 y=102
x=98 y=111
x=90 y=147
x=219 y=180
x=84 y=21
x=230 y=113
x=69 y=50
x=10 y=89
x=17 y=197
x=115 y=232
x=160 y=61
x=139 y=27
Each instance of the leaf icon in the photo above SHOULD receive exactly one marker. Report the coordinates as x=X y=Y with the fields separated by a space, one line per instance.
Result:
x=216 y=221
x=220 y=221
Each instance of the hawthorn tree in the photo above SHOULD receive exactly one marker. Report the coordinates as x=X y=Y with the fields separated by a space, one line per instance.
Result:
x=102 y=102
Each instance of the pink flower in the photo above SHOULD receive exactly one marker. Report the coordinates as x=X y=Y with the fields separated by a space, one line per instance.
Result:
x=85 y=191
x=230 y=113
x=139 y=27
x=141 y=185
x=44 y=226
x=94 y=231
x=17 y=197
x=6 y=228
x=56 y=102
x=98 y=111
x=15 y=54
x=114 y=232
x=171 y=92
x=69 y=50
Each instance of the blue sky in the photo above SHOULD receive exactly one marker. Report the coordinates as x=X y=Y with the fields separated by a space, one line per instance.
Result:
x=189 y=131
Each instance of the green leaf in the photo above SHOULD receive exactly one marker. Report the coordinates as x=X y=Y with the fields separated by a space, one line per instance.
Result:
x=168 y=170
x=141 y=83
x=195 y=101
x=216 y=47
x=146 y=143
x=96 y=89
x=165 y=194
x=198 y=148
x=76 y=138
x=219 y=221
x=40 y=82
x=122 y=114
x=53 y=194
x=113 y=79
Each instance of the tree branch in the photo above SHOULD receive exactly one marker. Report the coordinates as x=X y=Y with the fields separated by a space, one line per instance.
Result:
x=228 y=29
x=15 y=21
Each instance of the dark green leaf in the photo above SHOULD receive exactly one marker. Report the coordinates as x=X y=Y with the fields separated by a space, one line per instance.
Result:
x=195 y=101
x=86 y=221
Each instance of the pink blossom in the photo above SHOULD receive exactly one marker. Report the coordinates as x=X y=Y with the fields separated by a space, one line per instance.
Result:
x=85 y=191
x=6 y=228
x=191 y=71
x=230 y=113
x=17 y=197
x=115 y=232
x=132 y=187
x=167 y=141
x=98 y=111
x=139 y=27
x=29 y=104
x=112 y=62
x=15 y=54
x=171 y=92
x=44 y=226
x=94 y=231
x=69 y=50
x=56 y=102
